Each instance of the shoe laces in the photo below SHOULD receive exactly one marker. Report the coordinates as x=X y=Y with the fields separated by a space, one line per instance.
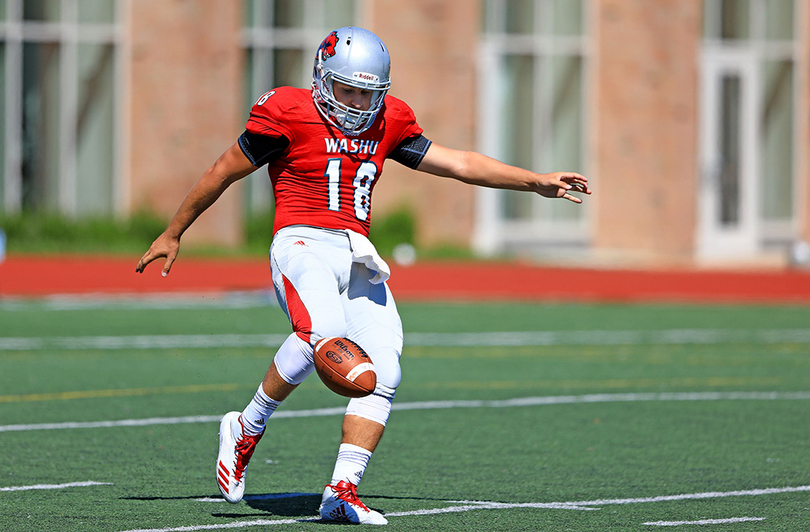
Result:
x=245 y=446
x=348 y=492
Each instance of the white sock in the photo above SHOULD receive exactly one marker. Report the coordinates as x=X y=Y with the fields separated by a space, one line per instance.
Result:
x=257 y=412
x=351 y=464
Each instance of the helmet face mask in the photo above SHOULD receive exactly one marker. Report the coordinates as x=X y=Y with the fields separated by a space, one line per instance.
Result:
x=354 y=57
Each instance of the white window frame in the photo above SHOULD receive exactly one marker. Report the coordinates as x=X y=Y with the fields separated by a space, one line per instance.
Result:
x=69 y=34
x=758 y=49
x=493 y=233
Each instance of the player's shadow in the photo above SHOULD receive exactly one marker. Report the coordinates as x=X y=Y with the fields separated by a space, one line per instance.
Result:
x=296 y=505
x=187 y=497
x=302 y=505
x=286 y=504
x=283 y=504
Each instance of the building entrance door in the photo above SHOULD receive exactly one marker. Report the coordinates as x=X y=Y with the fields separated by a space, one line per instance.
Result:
x=728 y=217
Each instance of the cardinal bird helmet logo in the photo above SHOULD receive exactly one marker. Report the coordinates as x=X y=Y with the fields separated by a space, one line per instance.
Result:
x=327 y=48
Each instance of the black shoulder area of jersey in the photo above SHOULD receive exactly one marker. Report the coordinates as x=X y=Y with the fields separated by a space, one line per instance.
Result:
x=411 y=151
x=262 y=149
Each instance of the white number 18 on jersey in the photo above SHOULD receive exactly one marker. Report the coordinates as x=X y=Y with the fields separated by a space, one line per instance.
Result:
x=366 y=173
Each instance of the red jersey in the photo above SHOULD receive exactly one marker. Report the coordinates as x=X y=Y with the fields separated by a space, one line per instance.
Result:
x=325 y=178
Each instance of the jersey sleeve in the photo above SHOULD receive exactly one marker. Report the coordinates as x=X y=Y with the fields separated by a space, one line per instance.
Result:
x=411 y=151
x=407 y=125
x=262 y=149
x=267 y=115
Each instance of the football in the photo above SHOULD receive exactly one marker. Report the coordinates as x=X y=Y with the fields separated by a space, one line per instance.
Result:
x=344 y=367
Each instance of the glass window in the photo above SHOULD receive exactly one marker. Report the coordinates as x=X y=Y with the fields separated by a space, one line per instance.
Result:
x=94 y=129
x=729 y=141
x=727 y=19
x=257 y=14
x=566 y=141
x=41 y=10
x=735 y=19
x=519 y=16
x=254 y=75
x=2 y=124
x=96 y=11
x=568 y=18
x=288 y=68
x=764 y=36
x=779 y=17
x=538 y=50
x=296 y=14
x=711 y=19
x=517 y=139
x=777 y=139
x=288 y=14
x=63 y=128
x=40 y=127
x=749 y=19
x=336 y=14
x=557 y=135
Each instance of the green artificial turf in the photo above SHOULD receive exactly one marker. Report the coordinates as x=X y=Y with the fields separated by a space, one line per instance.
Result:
x=616 y=452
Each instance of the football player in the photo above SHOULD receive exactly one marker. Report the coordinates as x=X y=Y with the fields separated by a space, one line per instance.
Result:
x=324 y=150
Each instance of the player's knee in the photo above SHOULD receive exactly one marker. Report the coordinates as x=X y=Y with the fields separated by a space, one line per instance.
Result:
x=293 y=360
x=375 y=407
x=386 y=365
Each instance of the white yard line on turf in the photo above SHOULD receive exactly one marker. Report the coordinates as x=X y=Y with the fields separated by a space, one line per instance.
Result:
x=705 y=521
x=108 y=424
x=484 y=339
x=431 y=405
x=56 y=486
x=693 y=496
x=467 y=506
x=235 y=524
x=175 y=341
x=185 y=300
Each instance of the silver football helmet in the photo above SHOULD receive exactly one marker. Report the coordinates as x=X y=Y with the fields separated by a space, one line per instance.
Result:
x=356 y=57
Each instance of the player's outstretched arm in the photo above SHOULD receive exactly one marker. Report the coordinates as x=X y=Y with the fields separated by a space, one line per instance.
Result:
x=477 y=169
x=231 y=166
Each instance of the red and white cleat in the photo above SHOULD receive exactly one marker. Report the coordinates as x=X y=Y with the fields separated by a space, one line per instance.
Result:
x=235 y=450
x=340 y=503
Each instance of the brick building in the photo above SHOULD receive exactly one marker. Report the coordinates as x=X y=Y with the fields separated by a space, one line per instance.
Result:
x=690 y=117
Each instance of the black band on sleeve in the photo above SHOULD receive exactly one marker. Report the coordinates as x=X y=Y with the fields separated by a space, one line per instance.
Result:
x=261 y=149
x=411 y=151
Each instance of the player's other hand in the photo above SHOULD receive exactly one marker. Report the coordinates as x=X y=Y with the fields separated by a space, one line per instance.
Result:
x=560 y=184
x=164 y=246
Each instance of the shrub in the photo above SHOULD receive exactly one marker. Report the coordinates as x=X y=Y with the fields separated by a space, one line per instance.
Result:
x=397 y=227
x=53 y=233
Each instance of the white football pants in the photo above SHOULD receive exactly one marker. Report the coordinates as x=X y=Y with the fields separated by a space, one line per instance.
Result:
x=324 y=294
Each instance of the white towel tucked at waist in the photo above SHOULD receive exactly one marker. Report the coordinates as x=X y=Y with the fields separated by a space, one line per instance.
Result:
x=364 y=252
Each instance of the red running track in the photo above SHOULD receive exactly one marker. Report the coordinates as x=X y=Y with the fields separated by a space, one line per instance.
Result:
x=36 y=276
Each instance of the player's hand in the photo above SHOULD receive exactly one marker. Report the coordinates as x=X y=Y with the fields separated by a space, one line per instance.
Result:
x=164 y=246
x=560 y=184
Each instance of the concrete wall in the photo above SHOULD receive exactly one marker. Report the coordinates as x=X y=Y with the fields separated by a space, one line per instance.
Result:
x=645 y=121
x=185 y=106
